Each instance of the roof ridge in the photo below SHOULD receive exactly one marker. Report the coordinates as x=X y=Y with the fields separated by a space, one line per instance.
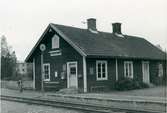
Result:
x=79 y=28
x=127 y=36
x=67 y=26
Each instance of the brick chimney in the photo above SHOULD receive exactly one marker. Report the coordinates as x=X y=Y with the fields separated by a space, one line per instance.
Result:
x=117 y=28
x=91 y=22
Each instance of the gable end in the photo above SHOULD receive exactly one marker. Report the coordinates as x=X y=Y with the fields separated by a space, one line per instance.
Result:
x=78 y=49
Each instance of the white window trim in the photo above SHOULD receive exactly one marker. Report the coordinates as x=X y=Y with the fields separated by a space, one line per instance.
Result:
x=129 y=62
x=46 y=64
x=106 y=70
x=53 y=42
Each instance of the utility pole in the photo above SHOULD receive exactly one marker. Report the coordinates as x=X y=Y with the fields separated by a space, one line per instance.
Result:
x=42 y=48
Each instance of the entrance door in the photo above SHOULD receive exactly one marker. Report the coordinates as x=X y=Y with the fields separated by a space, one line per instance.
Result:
x=146 y=73
x=72 y=79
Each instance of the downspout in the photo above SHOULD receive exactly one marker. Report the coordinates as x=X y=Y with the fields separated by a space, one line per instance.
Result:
x=84 y=74
x=116 y=67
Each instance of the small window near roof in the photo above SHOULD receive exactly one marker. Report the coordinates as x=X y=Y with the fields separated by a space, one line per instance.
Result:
x=55 y=42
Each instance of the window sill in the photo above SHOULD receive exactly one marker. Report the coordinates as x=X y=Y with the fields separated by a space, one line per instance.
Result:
x=51 y=82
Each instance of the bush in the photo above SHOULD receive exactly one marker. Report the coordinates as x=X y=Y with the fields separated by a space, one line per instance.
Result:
x=144 y=85
x=129 y=84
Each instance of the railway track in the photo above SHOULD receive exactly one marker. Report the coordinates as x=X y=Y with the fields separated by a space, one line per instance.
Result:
x=69 y=105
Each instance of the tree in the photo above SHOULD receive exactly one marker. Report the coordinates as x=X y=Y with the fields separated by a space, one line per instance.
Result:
x=4 y=46
x=8 y=60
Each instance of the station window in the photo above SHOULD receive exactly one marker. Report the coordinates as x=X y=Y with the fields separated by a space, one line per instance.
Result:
x=101 y=70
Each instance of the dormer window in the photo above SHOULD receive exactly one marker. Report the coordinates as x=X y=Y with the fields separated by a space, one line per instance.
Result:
x=55 y=42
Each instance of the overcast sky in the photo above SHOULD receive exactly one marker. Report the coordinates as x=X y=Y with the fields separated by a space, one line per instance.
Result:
x=23 y=21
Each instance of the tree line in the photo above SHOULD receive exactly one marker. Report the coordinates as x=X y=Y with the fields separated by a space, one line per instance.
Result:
x=8 y=60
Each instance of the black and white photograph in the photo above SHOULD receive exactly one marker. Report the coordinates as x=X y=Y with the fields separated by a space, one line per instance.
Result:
x=83 y=56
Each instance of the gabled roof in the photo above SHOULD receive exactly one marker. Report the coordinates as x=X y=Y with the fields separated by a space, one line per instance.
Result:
x=104 y=44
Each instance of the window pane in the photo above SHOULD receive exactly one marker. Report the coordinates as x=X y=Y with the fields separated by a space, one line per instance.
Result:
x=99 y=75
x=99 y=65
x=104 y=75
x=72 y=70
x=103 y=67
x=99 y=68
x=45 y=76
x=130 y=70
x=55 y=42
x=126 y=69
x=103 y=70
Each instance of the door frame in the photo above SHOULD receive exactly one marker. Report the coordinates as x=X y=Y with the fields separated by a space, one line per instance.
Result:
x=68 y=72
x=143 y=63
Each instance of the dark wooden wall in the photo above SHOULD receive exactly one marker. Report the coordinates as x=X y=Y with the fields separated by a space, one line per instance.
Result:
x=137 y=69
x=56 y=62
x=91 y=78
x=137 y=72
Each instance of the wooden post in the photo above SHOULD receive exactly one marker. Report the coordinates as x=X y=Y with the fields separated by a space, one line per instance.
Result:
x=116 y=67
x=33 y=73
x=84 y=74
x=42 y=48
x=42 y=76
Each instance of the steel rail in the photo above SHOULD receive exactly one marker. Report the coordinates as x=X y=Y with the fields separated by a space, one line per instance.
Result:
x=70 y=105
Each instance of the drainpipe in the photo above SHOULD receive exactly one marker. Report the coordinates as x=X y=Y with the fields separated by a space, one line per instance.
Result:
x=116 y=67
x=84 y=74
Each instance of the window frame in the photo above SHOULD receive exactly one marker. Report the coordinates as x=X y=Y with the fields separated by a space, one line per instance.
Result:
x=55 y=42
x=46 y=64
x=128 y=63
x=106 y=70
